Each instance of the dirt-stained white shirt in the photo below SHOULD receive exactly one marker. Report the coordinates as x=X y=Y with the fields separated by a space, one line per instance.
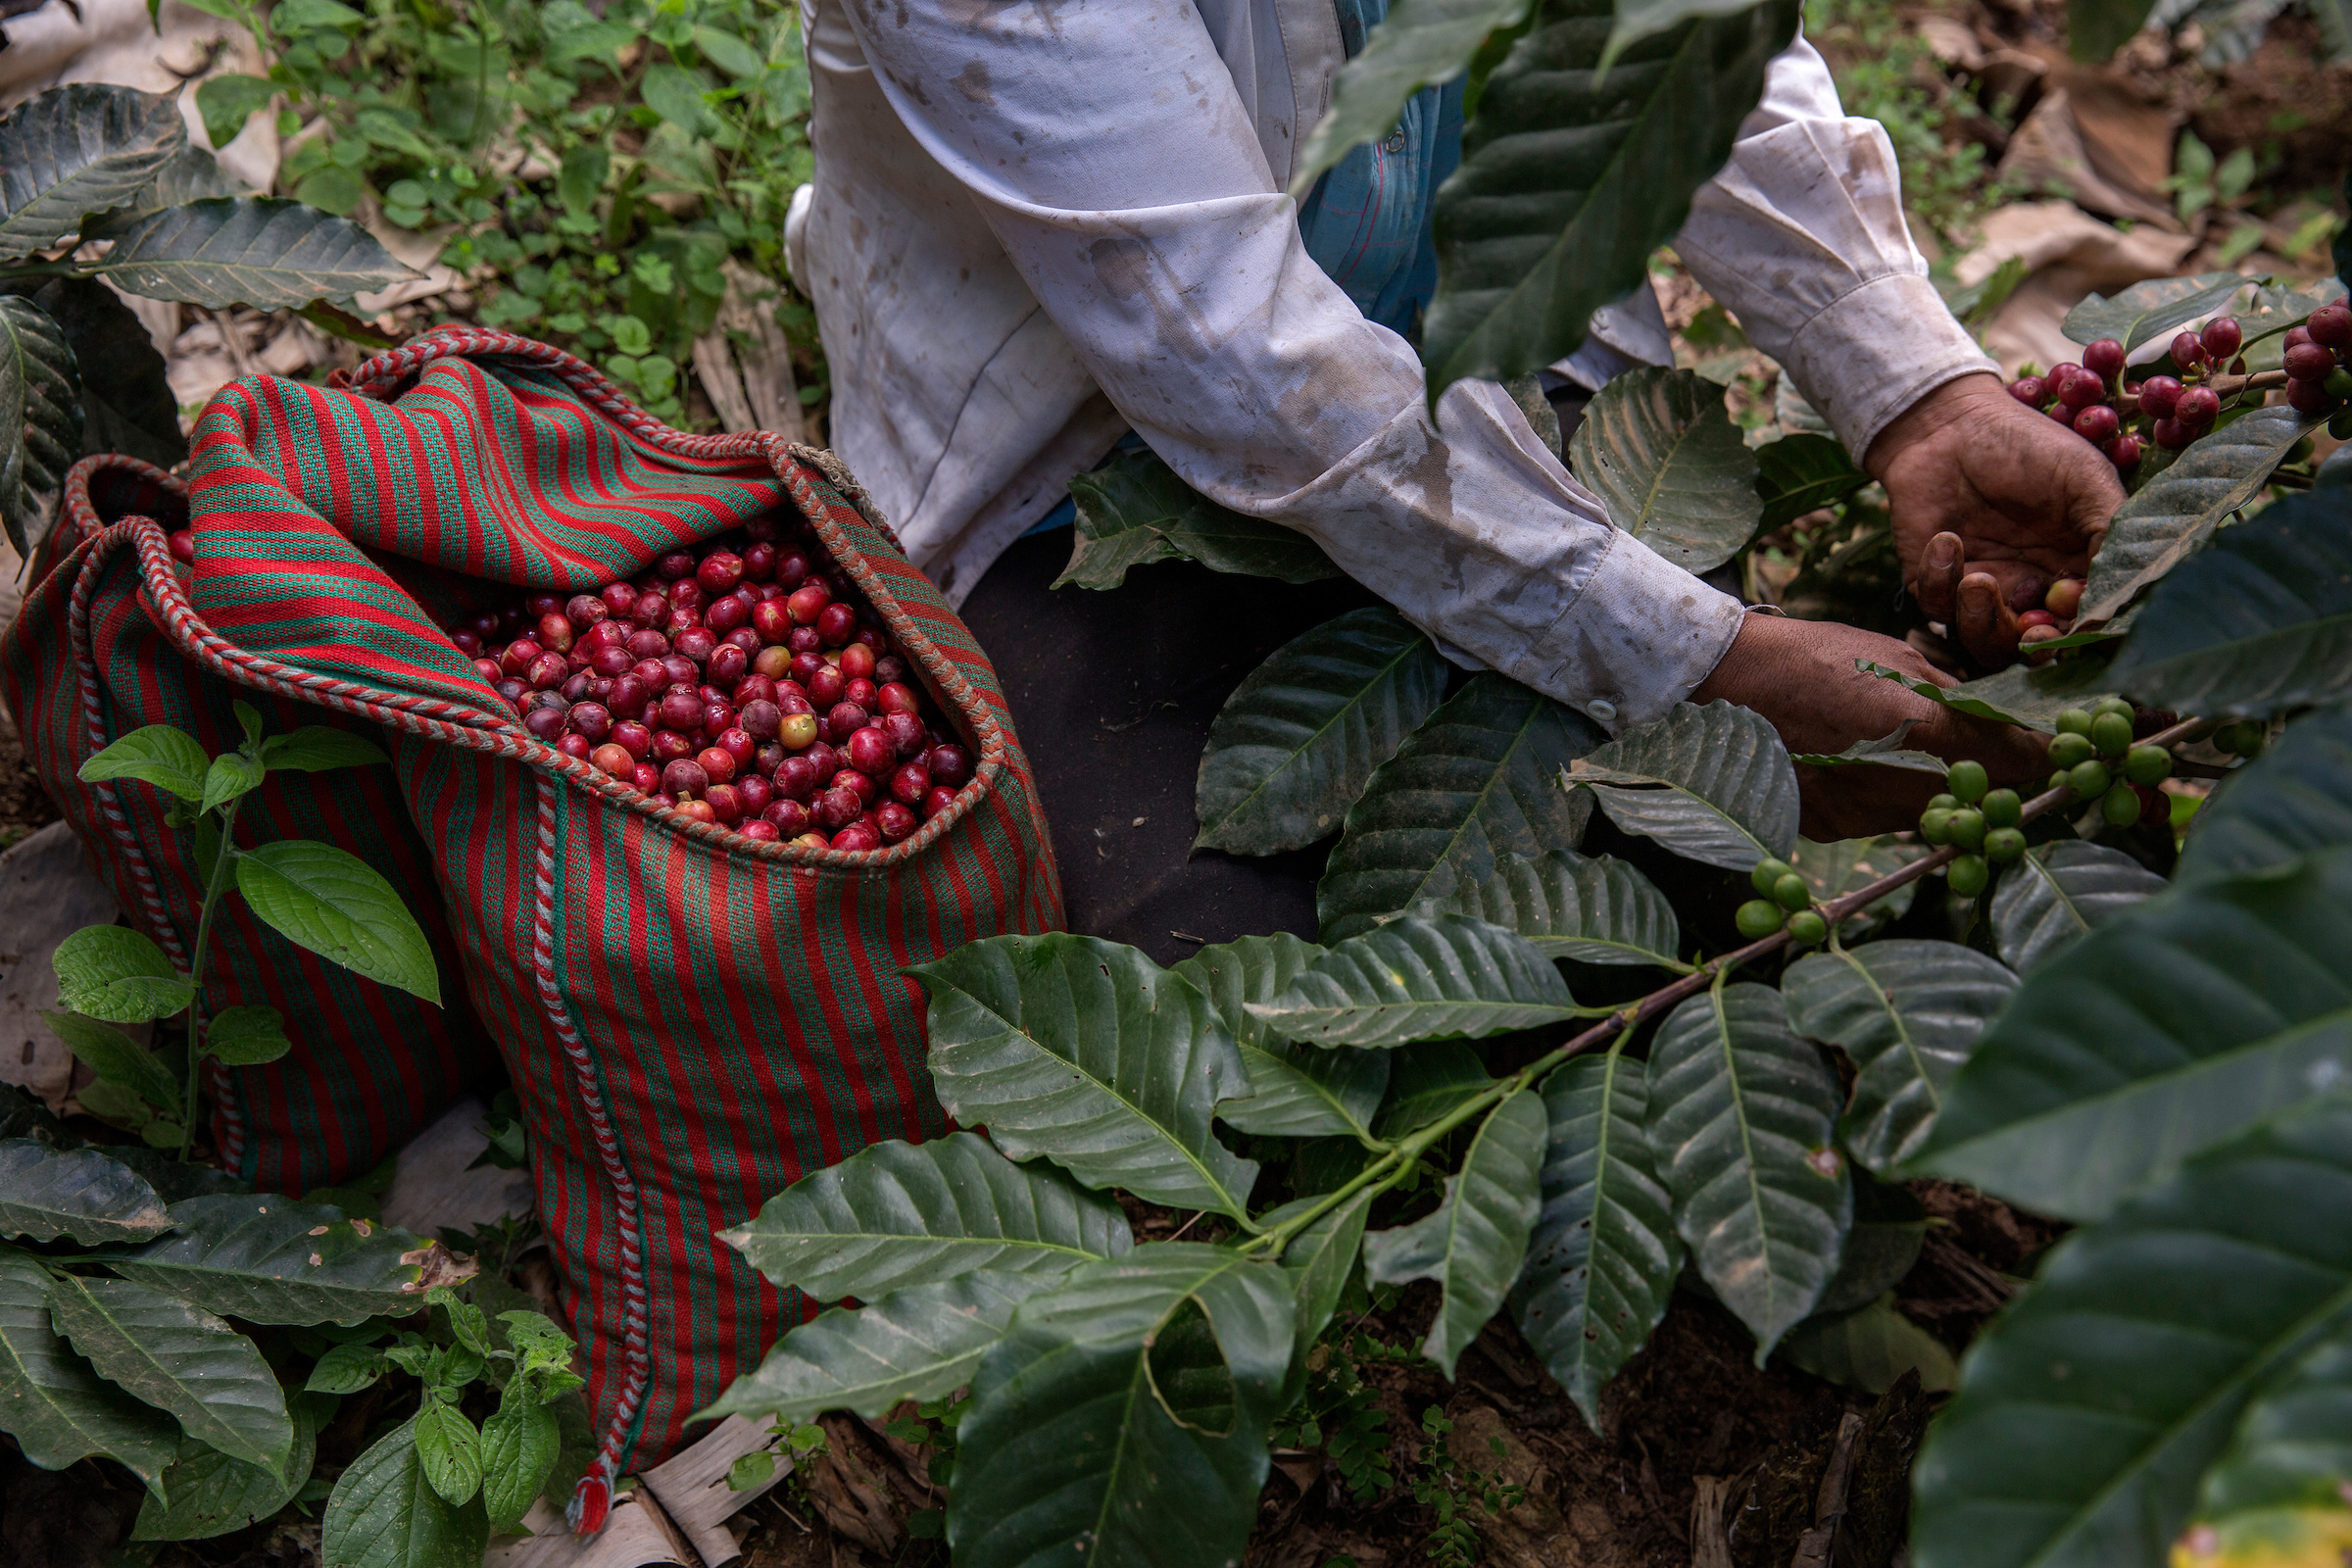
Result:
x=1038 y=223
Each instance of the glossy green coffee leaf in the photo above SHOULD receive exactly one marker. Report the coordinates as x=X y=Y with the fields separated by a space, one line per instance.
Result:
x=56 y=1407
x=1420 y=43
x=1741 y=1113
x=317 y=748
x=2174 y=513
x=1134 y=511
x=1126 y=1409
x=1321 y=1260
x=917 y=1343
x=2058 y=893
x=41 y=420
x=75 y=150
x=179 y=1359
x=1570 y=180
x=1293 y=745
x=1907 y=1014
x=2293 y=800
x=1603 y=1260
x=2027 y=694
x=1473 y=1243
x=247 y=1036
x=126 y=404
x=2256 y=625
x=53 y=1194
x=114 y=1056
x=1425 y=1082
x=271 y=1259
x=1420 y=979
x=1666 y=460
x=2161 y=1033
x=1884 y=1241
x=2293 y=1445
x=2088 y=1412
x=213 y=1495
x=340 y=907
x=160 y=755
x=898 y=1214
x=1296 y=1091
x=1888 y=751
x=1713 y=784
x=1594 y=909
x=114 y=973
x=384 y=1513
x=1870 y=1349
x=2146 y=311
x=1477 y=781
x=1087 y=1052
x=518 y=1447
x=249 y=250
x=1803 y=472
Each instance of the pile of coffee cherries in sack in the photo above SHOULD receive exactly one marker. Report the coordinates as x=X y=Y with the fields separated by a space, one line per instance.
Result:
x=745 y=684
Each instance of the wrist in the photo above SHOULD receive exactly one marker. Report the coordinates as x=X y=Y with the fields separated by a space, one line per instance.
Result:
x=1951 y=403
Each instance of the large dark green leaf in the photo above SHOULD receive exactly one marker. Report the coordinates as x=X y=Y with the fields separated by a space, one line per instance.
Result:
x=2160 y=1034
x=1601 y=1264
x=1592 y=910
x=2028 y=695
x=1474 y=1242
x=249 y=250
x=897 y=1214
x=2060 y=892
x=384 y=1513
x=271 y=1259
x=2088 y=1412
x=212 y=1494
x=1712 y=784
x=41 y=419
x=126 y=404
x=1908 y=1013
x=1426 y=1082
x=1741 y=1113
x=1884 y=1241
x=918 y=1343
x=57 y=1408
x=1570 y=178
x=1087 y=1052
x=2293 y=1446
x=1803 y=472
x=1295 y=742
x=521 y=1439
x=49 y=1194
x=1295 y=1091
x=190 y=174
x=1135 y=511
x=2178 y=511
x=1665 y=458
x=2145 y=310
x=1420 y=979
x=78 y=149
x=2258 y=624
x=1124 y=1416
x=1477 y=781
x=179 y=1360
x=1420 y=42
x=340 y=907
x=114 y=973
x=2295 y=799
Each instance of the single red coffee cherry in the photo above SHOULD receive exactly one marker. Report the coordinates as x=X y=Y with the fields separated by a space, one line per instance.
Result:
x=950 y=765
x=518 y=655
x=693 y=642
x=857 y=662
x=681 y=709
x=725 y=804
x=648 y=777
x=2188 y=351
x=717 y=761
x=758 y=560
x=2172 y=435
x=837 y=809
x=615 y=761
x=548 y=672
x=584 y=610
x=2097 y=424
x=726 y=615
x=488 y=669
x=2031 y=390
x=797 y=731
x=889 y=667
x=826 y=686
x=2309 y=362
x=909 y=784
x=2104 y=358
x=772 y=619
x=577 y=688
x=824 y=759
x=2082 y=390
x=696 y=812
x=648 y=642
x=759 y=717
x=670 y=745
x=573 y=745
x=809 y=602
x=544 y=723
x=555 y=632
x=895 y=821
x=738 y=744
x=720 y=572
x=856 y=838
x=683 y=778
x=610 y=661
x=758 y=831
x=650 y=611
x=792 y=567
x=619 y=596
x=2221 y=337
x=2331 y=326
x=796 y=778
x=541 y=602
x=2062 y=601
x=905 y=732
x=2125 y=452
x=789 y=817
x=717 y=716
x=843 y=720
x=871 y=751
x=805 y=639
x=2038 y=618
x=631 y=737
x=756 y=789
x=836 y=623
x=678 y=563
x=937 y=801
x=865 y=786
x=592 y=719
x=2199 y=408
x=2309 y=397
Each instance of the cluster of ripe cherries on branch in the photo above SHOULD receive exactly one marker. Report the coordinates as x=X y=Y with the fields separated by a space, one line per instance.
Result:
x=745 y=685
x=2318 y=380
x=2093 y=399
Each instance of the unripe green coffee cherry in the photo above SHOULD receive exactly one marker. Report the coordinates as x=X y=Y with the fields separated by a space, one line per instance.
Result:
x=2111 y=733
x=1759 y=918
x=1967 y=876
x=1967 y=829
x=1808 y=928
x=2062 y=780
x=2071 y=749
x=1968 y=781
x=2003 y=845
x=2002 y=808
x=1791 y=893
x=2088 y=779
x=1945 y=803
x=2120 y=806
x=2074 y=721
x=2147 y=764
x=2338 y=383
x=1768 y=872
x=2243 y=738
x=2110 y=704
x=1935 y=826
x=2341 y=426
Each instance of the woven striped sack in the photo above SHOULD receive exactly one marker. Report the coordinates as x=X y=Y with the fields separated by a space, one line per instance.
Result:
x=96 y=654
x=692 y=1021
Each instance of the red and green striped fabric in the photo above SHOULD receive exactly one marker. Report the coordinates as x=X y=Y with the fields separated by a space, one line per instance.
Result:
x=692 y=1021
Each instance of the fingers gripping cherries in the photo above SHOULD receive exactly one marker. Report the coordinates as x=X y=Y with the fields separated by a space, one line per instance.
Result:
x=744 y=683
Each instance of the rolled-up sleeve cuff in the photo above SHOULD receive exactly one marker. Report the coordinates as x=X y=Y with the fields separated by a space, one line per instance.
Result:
x=1636 y=641
x=1876 y=350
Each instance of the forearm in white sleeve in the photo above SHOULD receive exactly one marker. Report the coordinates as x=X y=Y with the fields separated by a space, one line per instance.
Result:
x=1114 y=159
x=1801 y=236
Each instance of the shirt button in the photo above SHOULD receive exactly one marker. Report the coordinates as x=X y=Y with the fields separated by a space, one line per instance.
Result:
x=1602 y=709
x=1395 y=141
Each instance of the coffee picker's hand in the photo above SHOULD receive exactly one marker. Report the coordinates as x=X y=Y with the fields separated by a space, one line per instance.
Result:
x=1800 y=675
x=1992 y=502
